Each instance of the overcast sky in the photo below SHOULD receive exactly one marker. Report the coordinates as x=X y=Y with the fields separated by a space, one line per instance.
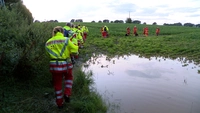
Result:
x=149 y=11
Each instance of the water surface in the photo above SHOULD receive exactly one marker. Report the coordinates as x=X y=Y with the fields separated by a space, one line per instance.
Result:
x=139 y=85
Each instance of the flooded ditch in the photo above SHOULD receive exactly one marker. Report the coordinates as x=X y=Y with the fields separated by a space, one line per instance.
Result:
x=132 y=84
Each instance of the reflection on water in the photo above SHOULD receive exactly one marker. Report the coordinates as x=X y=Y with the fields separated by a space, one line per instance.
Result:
x=155 y=74
x=132 y=84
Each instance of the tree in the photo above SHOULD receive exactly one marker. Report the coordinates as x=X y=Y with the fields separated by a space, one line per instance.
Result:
x=154 y=23
x=189 y=24
x=137 y=22
x=23 y=11
x=37 y=21
x=100 y=21
x=121 y=21
x=198 y=25
x=11 y=1
x=72 y=20
x=128 y=20
x=144 y=23
x=178 y=24
x=79 y=20
x=117 y=21
x=93 y=21
x=166 y=24
x=106 y=21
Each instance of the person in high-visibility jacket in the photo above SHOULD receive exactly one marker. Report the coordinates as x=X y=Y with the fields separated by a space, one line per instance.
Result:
x=85 y=32
x=79 y=37
x=105 y=31
x=59 y=49
x=75 y=42
x=79 y=26
x=67 y=30
x=73 y=28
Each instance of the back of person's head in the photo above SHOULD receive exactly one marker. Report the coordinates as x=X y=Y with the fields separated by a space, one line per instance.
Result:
x=69 y=24
x=57 y=29
x=72 y=24
x=76 y=26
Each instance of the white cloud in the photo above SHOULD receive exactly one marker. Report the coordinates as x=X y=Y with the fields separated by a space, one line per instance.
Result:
x=149 y=11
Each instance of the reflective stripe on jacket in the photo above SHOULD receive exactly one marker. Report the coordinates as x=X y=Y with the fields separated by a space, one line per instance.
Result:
x=59 y=49
x=60 y=66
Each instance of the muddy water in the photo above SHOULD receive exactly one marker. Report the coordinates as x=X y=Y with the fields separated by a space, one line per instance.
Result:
x=131 y=84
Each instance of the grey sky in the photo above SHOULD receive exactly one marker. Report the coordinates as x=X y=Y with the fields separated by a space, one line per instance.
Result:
x=149 y=11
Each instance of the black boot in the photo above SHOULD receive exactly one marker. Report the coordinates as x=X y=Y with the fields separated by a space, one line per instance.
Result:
x=67 y=99
x=60 y=107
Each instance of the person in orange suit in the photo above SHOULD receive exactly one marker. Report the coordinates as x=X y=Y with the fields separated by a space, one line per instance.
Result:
x=135 y=31
x=128 y=31
x=157 y=31
x=146 y=31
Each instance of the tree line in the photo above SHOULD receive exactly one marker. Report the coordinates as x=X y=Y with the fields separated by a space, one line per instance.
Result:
x=129 y=20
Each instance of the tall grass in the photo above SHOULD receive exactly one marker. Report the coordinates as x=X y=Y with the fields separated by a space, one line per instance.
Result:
x=30 y=98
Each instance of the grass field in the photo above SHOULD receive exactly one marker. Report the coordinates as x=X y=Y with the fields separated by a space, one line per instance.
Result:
x=172 y=42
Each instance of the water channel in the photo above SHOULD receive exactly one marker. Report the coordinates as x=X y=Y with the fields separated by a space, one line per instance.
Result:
x=133 y=84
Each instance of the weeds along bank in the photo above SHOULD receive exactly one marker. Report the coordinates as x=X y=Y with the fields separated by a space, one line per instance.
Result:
x=25 y=81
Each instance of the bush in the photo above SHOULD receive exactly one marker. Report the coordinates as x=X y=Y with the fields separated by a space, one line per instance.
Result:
x=22 y=45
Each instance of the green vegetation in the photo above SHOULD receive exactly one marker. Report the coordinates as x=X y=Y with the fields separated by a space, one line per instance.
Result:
x=25 y=81
x=173 y=41
x=24 y=72
x=37 y=96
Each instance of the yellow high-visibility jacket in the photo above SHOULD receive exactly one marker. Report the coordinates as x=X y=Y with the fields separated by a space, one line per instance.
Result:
x=60 y=47
x=79 y=36
x=106 y=28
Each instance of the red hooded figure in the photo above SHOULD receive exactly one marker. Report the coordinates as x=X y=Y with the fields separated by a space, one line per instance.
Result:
x=128 y=31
